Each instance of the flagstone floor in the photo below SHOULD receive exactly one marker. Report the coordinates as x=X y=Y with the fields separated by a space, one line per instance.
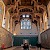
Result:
x=20 y=48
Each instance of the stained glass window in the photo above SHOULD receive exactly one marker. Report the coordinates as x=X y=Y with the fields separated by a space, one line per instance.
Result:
x=25 y=24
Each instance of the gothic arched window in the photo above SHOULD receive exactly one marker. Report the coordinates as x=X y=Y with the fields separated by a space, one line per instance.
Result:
x=25 y=24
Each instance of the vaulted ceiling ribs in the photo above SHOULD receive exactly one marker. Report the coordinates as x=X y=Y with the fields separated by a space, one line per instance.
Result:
x=18 y=6
x=45 y=2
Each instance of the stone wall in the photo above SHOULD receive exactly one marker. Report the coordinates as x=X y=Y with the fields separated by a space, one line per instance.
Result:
x=32 y=31
x=45 y=38
x=5 y=38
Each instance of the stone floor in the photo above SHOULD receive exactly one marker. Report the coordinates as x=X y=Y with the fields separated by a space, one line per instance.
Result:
x=20 y=48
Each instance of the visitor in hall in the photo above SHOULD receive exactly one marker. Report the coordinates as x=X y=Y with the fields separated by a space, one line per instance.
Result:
x=26 y=46
x=38 y=46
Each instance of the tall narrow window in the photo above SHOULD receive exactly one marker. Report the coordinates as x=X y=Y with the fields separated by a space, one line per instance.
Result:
x=0 y=10
x=25 y=24
x=3 y=23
